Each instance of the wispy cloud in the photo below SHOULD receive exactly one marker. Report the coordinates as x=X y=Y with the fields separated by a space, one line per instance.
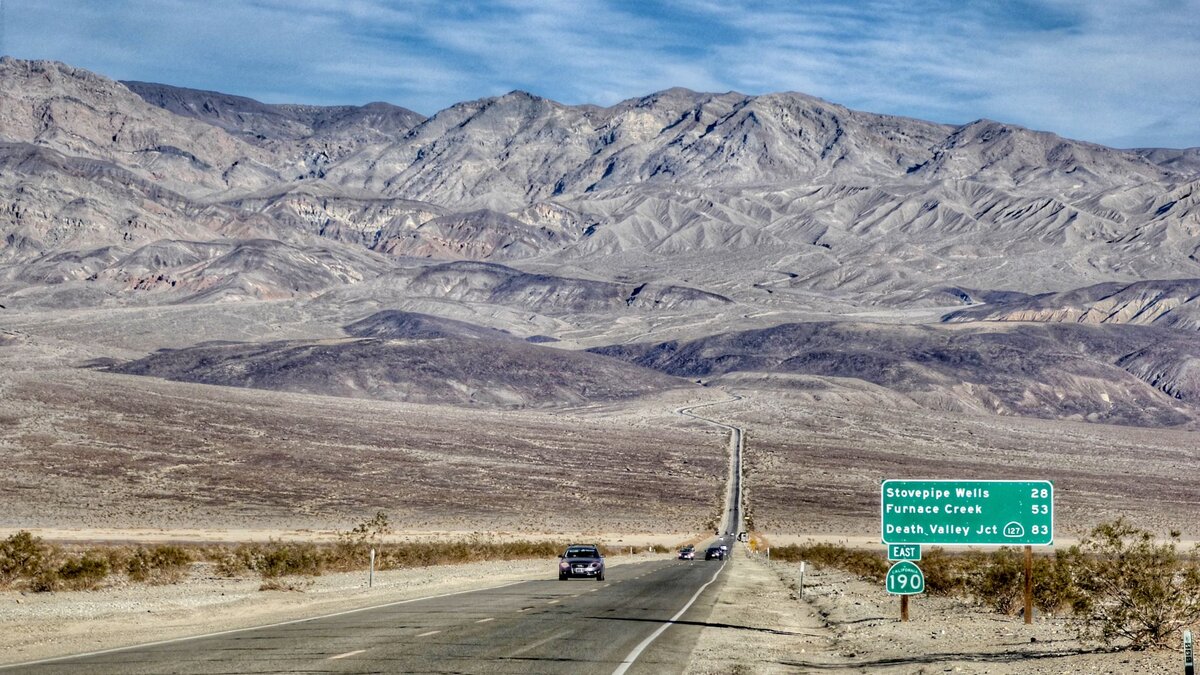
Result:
x=1120 y=72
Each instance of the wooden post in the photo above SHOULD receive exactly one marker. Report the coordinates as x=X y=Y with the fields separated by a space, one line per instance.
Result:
x=904 y=608
x=1028 y=584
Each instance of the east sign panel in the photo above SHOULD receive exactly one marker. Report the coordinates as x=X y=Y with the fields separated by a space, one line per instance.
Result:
x=966 y=512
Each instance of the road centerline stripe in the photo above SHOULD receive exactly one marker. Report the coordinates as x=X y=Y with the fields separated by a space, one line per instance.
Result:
x=490 y=618
x=432 y=632
x=347 y=654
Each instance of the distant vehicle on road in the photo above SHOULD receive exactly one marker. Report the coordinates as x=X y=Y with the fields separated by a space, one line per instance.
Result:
x=687 y=553
x=714 y=553
x=581 y=560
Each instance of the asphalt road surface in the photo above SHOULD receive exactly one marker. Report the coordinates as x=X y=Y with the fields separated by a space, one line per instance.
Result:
x=542 y=626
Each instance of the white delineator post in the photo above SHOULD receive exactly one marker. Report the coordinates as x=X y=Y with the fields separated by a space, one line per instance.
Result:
x=371 y=574
x=1189 y=658
x=802 y=564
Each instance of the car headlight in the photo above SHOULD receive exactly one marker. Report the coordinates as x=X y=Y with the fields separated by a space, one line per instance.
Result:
x=565 y=565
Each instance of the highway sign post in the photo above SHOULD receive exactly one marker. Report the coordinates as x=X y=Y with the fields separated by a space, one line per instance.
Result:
x=957 y=512
x=904 y=579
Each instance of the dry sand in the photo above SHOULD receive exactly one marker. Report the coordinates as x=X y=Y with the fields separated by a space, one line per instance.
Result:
x=846 y=625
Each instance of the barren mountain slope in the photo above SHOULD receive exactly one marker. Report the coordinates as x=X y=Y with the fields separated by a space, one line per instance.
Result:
x=458 y=370
x=852 y=206
x=82 y=114
x=1168 y=303
x=1118 y=374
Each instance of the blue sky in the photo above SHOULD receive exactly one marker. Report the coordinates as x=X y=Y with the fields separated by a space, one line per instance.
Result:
x=1119 y=72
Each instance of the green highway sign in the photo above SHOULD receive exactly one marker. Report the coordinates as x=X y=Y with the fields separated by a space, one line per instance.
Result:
x=905 y=578
x=960 y=512
x=904 y=552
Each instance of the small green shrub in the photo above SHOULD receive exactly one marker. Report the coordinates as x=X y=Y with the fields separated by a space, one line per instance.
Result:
x=1054 y=587
x=22 y=555
x=161 y=564
x=277 y=560
x=83 y=573
x=1134 y=592
x=870 y=565
x=1001 y=582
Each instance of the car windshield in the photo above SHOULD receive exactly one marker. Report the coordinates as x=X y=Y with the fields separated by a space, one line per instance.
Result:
x=581 y=553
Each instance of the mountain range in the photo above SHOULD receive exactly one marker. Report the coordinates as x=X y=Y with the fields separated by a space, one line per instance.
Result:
x=674 y=217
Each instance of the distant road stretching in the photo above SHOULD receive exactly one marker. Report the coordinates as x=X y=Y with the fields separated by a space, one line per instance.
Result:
x=543 y=626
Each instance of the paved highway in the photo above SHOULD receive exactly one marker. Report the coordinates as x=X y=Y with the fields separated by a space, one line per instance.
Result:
x=542 y=626
x=616 y=626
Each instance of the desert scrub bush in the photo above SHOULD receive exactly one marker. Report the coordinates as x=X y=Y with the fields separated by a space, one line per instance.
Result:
x=278 y=559
x=425 y=554
x=1054 y=587
x=1000 y=583
x=866 y=564
x=1133 y=591
x=159 y=565
x=83 y=573
x=22 y=556
x=947 y=574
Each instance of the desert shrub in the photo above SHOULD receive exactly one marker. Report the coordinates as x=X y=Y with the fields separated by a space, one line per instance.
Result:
x=278 y=559
x=1134 y=592
x=22 y=555
x=947 y=574
x=866 y=564
x=161 y=564
x=45 y=581
x=1054 y=587
x=1001 y=582
x=83 y=573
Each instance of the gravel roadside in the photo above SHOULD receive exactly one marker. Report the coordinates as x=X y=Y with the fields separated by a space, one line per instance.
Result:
x=846 y=625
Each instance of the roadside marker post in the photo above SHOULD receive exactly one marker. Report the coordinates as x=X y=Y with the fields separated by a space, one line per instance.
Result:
x=802 y=564
x=1189 y=659
x=371 y=574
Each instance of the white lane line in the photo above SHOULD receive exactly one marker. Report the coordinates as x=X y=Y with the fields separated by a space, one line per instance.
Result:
x=552 y=602
x=432 y=632
x=539 y=643
x=243 y=630
x=342 y=656
x=637 y=651
x=593 y=590
x=490 y=618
